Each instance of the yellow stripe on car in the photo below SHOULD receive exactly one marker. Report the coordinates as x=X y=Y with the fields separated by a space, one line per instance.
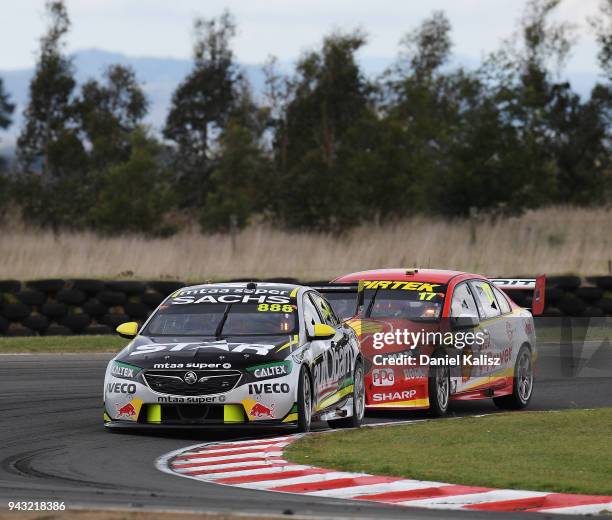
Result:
x=416 y=403
x=335 y=397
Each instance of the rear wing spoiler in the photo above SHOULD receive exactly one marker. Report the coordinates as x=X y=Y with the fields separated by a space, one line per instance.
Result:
x=537 y=285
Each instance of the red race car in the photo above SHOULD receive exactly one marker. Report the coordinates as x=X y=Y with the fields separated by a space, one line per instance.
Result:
x=432 y=336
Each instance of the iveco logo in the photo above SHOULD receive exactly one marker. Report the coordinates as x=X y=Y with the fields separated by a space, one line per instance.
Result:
x=190 y=378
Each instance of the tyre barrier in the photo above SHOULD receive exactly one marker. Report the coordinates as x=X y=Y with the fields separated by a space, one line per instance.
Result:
x=89 y=306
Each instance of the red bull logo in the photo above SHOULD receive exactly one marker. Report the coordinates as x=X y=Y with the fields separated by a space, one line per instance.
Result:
x=260 y=410
x=129 y=410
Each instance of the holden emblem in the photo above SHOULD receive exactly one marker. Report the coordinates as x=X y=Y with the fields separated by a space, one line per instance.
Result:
x=190 y=378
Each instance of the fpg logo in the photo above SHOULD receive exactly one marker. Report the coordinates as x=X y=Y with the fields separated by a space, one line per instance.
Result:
x=383 y=377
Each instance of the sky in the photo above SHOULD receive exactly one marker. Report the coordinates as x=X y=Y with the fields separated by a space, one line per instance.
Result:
x=284 y=28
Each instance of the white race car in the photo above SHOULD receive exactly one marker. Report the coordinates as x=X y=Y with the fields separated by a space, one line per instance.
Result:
x=236 y=354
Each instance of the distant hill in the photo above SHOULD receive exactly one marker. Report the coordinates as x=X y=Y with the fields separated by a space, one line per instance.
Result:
x=160 y=76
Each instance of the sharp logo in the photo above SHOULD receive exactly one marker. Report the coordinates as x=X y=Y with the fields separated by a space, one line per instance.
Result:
x=246 y=348
x=269 y=388
x=395 y=396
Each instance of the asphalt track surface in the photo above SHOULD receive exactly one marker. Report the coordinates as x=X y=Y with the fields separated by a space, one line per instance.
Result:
x=53 y=445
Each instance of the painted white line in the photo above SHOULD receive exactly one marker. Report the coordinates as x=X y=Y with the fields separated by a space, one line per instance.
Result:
x=262 y=455
x=373 y=489
x=459 y=501
x=261 y=471
x=587 y=509
x=195 y=462
x=317 y=477
x=212 y=467
x=222 y=449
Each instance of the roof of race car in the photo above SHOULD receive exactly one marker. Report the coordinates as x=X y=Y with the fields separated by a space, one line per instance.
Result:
x=407 y=275
x=290 y=289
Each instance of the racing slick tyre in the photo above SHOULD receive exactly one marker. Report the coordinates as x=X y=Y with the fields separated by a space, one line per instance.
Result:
x=522 y=387
x=439 y=390
x=304 y=402
x=355 y=420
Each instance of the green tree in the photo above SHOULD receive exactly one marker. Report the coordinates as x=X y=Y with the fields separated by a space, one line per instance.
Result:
x=325 y=99
x=49 y=139
x=602 y=23
x=109 y=113
x=201 y=106
x=6 y=112
x=134 y=196
x=6 y=108
x=424 y=106
x=52 y=185
x=240 y=179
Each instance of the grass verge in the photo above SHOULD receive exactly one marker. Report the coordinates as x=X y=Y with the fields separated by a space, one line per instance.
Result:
x=568 y=451
x=62 y=344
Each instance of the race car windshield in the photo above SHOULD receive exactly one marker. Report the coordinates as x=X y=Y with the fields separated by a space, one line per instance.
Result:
x=404 y=304
x=344 y=304
x=221 y=320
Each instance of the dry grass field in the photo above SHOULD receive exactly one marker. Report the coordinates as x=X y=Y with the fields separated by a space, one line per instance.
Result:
x=551 y=241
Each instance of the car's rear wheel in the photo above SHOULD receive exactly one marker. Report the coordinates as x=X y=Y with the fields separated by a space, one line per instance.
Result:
x=355 y=420
x=439 y=390
x=522 y=385
x=304 y=401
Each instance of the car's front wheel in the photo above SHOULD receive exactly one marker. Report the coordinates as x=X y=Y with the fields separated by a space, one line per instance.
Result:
x=304 y=401
x=522 y=387
x=355 y=420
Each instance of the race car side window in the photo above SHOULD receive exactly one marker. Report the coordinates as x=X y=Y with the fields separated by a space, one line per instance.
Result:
x=502 y=300
x=463 y=303
x=325 y=310
x=486 y=298
x=311 y=316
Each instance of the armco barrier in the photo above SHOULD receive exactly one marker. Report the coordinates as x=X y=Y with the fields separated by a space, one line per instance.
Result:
x=64 y=307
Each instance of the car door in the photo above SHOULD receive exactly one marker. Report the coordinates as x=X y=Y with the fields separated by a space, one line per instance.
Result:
x=463 y=305
x=510 y=341
x=336 y=360
x=492 y=325
x=318 y=349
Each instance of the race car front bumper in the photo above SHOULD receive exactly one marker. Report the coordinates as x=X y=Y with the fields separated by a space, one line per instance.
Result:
x=173 y=415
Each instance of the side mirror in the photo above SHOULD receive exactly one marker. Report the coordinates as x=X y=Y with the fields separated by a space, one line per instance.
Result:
x=464 y=322
x=322 y=331
x=128 y=330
